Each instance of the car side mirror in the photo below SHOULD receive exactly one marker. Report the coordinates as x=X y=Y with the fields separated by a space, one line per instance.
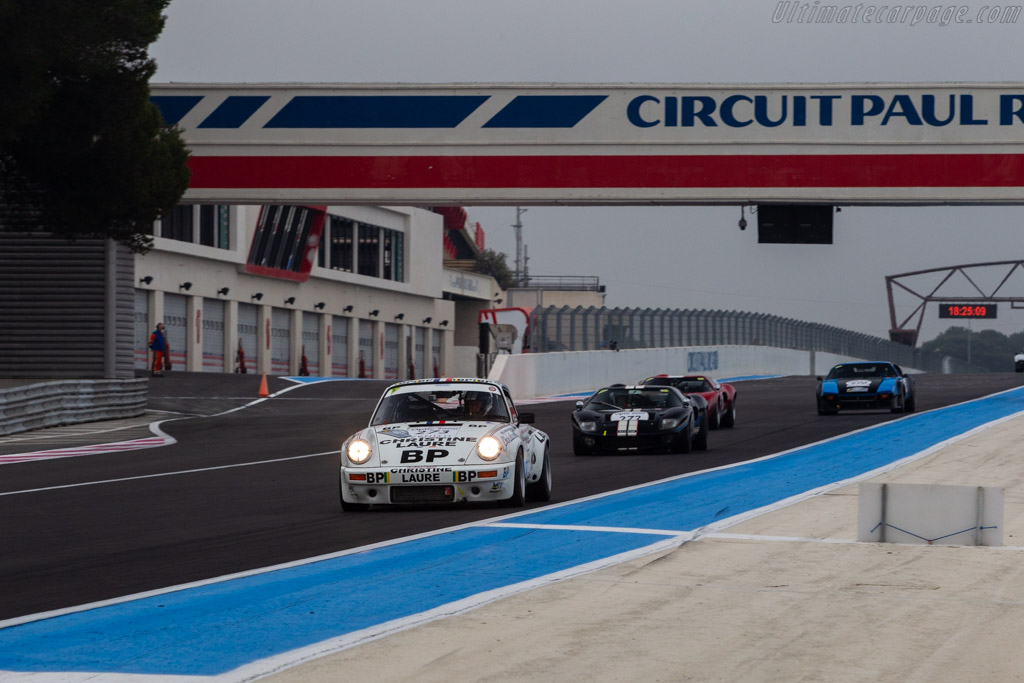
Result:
x=579 y=405
x=526 y=418
x=820 y=379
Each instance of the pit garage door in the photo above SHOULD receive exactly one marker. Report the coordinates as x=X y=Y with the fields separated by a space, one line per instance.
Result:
x=176 y=322
x=142 y=329
x=435 y=352
x=213 y=335
x=365 y=349
x=248 y=337
x=280 y=341
x=419 y=354
x=339 y=346
x=390 y=351
x=311 y=342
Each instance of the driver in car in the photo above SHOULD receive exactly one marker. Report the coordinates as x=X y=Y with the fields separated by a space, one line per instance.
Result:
x=477 y=404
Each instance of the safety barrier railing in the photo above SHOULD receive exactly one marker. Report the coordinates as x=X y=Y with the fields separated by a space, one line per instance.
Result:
x=64 y=402
x=592 y=328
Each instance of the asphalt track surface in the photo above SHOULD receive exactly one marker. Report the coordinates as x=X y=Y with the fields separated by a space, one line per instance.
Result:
x=258 y=486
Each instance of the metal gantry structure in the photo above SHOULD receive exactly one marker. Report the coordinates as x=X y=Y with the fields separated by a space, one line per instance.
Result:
x=901 y=333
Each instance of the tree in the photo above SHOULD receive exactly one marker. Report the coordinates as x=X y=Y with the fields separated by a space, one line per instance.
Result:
x=492 y=263
x=83 y=152
x=990 y=349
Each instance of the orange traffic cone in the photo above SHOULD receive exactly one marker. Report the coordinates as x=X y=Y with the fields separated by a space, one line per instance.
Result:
x=263 y=387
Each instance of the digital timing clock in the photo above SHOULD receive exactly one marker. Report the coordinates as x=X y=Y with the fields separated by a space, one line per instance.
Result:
x=967 y=310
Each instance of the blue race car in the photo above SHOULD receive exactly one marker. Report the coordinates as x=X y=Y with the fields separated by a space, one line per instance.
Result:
x=878 y=384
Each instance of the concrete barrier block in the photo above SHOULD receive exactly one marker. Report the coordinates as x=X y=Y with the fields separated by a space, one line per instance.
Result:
x=931 y=514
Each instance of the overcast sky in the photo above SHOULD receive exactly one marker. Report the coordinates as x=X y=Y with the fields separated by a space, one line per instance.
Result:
x=657 y=257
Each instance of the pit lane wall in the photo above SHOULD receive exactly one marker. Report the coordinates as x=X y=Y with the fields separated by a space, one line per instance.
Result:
x=34 y=405
x=529 y=375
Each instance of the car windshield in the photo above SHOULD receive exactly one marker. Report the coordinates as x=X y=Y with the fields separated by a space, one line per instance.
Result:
x=628 y=399
x=435 y=403
x=687 y=385
x=852 y=370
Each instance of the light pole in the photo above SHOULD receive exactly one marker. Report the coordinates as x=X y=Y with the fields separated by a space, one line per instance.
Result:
x=518 y=225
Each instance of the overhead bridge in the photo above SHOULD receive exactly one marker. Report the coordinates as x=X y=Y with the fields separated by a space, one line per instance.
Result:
x=869 y=144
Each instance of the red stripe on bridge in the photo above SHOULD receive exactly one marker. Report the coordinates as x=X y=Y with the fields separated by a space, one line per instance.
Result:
x=609 y=171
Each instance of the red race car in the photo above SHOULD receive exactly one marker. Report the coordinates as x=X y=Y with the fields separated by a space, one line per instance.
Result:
x=721 y=398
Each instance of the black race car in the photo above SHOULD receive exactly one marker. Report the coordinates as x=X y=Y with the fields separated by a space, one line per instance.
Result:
x=623 y=418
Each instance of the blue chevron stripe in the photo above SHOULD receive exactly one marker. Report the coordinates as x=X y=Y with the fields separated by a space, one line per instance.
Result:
x=234 y=111
x=376 y=111
x=545 y=111
x=174 y=107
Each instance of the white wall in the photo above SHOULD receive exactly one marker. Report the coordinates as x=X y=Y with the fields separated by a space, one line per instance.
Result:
x=548 y=374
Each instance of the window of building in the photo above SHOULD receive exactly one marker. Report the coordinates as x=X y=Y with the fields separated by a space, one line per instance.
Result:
x=177 y=225
x=397 y=256
x=213 y=221
x=362 y=248
x=391 y=255
x=213 y=225
x=342 y=241
x=369 y=250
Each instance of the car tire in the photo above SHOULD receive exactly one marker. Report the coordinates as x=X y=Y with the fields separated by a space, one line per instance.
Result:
x=351 y=507
x=700 y=442
x=518 y=498
x=715 y=416
x=684 y=442
x=578 y=448
x=540 y=490
x=900 y=406
x=910 y=404
x=822 y=410
x=729 y=418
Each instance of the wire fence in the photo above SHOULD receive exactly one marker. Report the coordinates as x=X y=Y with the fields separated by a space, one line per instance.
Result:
x=591 y=329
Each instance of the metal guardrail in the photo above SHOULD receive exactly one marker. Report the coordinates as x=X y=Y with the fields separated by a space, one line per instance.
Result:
x=593 y=328
x=64 y=402
x=561 y=283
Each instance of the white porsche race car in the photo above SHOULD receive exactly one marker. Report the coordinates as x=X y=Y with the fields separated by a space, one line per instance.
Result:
x=437 y=441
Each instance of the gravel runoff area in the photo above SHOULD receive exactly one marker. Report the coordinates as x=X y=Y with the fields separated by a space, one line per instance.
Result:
x=786 y=596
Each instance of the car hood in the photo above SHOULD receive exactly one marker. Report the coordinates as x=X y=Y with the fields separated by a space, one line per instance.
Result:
x=640 y=414
x=863 y=385
x=435 y=444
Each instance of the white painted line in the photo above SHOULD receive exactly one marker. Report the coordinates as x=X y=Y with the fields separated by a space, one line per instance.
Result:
x=786 y=539
x=577 y=527
x=167 y=474
x=159 y=439
x=804 y=539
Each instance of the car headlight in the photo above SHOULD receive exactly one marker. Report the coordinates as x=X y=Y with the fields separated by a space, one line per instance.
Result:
x=358 y=451
x=489 y=448
x=670 y=422
x=588 y=426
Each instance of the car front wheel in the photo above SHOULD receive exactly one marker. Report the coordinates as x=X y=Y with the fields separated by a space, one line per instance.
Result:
x=541 y=489
x=700 y=442
x=683 y=443
x=518 y=498
x=578 y=448
x=729 y=418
